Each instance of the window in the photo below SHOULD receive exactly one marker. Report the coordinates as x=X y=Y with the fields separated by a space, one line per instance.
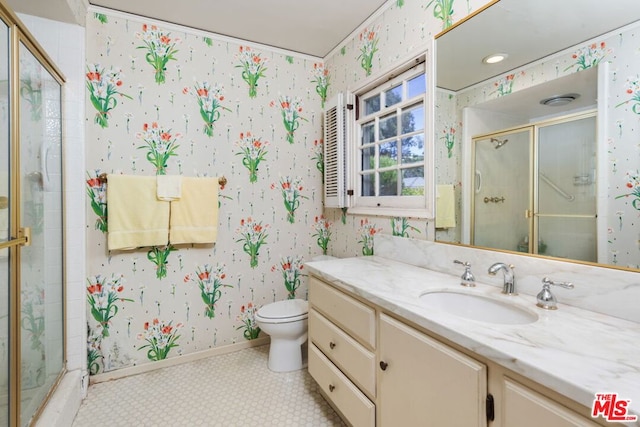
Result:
x=390 y=143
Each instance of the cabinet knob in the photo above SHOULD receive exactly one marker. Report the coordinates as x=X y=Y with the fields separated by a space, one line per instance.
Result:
x=331 y=387
x=332 y=345
x=383 y=365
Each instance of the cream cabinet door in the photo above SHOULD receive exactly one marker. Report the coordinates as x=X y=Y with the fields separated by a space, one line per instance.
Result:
x=423 y=382
x=524 y=407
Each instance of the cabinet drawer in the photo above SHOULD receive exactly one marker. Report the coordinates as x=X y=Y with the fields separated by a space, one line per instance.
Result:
x=353 y=359
x=349 y=314
x=354 y=406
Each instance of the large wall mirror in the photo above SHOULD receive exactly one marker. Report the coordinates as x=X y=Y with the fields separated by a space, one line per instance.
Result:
x=538 y=153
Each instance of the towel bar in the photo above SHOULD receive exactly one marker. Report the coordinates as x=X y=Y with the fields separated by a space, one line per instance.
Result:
x=103 y=179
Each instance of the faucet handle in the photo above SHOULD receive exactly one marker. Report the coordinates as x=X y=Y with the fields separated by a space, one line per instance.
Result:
x=566 y=285
x=545 y=299
x=467 y=278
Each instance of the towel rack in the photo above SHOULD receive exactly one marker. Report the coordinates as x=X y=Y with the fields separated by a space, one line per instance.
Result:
x=103 y=179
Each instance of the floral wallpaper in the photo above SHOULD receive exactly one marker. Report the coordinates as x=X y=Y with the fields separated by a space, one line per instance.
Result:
x=403 y=28
x=406 y=27
x=171 y=100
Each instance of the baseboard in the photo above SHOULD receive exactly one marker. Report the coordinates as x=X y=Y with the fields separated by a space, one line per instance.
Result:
x=147 y=367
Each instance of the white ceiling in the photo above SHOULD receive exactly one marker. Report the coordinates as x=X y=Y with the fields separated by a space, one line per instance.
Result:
x=526 y=103
x=526 y=31
x=312 y=28
x=308 y=27
x=56 y=10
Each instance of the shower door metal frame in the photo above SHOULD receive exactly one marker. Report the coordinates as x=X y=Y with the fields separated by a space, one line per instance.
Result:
x=19 y=235
x=535 y=234
x=534 y=181
x=530 y=196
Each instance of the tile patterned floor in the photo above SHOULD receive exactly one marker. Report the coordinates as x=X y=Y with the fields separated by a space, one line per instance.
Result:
x=235 y=389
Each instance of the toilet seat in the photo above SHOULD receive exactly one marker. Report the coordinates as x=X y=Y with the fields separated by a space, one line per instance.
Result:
x=285 y=311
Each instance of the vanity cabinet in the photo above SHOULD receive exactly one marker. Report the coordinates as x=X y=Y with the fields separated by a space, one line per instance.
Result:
x=525 y=407
x=377 y=370
x=424 y=382
x=341 y=352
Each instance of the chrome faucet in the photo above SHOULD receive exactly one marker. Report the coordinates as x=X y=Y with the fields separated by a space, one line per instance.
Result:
x=467 y=278
x=509 y=286
x=545 y=298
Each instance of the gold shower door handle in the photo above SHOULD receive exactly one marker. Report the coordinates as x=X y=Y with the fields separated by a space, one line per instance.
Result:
x=24 y=236
x=528 y=213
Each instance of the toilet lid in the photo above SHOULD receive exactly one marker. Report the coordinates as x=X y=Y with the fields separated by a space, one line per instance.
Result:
x=284 y=309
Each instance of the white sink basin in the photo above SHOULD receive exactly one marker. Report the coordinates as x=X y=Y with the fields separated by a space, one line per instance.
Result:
x=477 y=307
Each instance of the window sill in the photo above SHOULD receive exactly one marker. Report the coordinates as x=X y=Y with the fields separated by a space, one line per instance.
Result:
x=391 y=212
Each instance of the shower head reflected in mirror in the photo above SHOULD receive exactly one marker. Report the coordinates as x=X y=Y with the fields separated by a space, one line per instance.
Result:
x=499 y=143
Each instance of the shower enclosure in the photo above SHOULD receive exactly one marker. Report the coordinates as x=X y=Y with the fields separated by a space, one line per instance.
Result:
x=31 y=228
x=534 y=188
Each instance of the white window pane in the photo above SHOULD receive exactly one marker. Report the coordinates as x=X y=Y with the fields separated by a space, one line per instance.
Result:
x=389 y=183
x=368 y=185
x=416 y=86
x=413 y=149
x=413 y=119
x=368 y=133
x=368 y=158
x=391 y=142
x=393 y=96
x=413 y=181
x=389 y=154
x=388 y=126
x=372 y=105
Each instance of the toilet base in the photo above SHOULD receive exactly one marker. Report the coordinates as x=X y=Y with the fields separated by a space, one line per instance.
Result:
x=286 y=355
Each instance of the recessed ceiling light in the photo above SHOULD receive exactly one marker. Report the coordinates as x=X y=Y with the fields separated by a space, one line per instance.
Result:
x=495 y=58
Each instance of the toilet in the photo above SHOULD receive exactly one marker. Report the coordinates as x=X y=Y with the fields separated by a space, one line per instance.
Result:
x=286 y=323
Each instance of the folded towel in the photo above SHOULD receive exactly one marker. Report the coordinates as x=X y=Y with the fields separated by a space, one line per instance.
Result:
x=445 y=206
x=169 y=187
x=136 y=216
x=194 y=218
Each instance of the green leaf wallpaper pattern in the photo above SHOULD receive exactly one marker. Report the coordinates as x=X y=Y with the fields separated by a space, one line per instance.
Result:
x=186 y=110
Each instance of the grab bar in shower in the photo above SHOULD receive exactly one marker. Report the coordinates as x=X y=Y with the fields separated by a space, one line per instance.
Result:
x=559 y=190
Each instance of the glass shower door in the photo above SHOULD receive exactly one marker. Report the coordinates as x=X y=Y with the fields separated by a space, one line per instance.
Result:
x=565 y=219
x=501 y=195
x=41 y=261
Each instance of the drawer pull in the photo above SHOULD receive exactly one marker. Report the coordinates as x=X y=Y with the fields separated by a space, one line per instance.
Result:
x=332 y=345
x=383 y=365
x=331 y=387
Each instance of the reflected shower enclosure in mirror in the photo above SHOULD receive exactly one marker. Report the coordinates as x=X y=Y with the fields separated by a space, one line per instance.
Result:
x=560 y=219
x=566 y=64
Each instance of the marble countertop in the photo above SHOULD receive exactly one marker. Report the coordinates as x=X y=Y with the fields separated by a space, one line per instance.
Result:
x=575 y=352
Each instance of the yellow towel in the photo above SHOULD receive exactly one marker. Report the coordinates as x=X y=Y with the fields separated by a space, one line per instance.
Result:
x=136 y=217
x=194 y=218
x=169 y=187
x=445 y=206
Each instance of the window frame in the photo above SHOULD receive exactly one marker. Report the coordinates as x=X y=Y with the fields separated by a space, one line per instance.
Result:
x=418 y=206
